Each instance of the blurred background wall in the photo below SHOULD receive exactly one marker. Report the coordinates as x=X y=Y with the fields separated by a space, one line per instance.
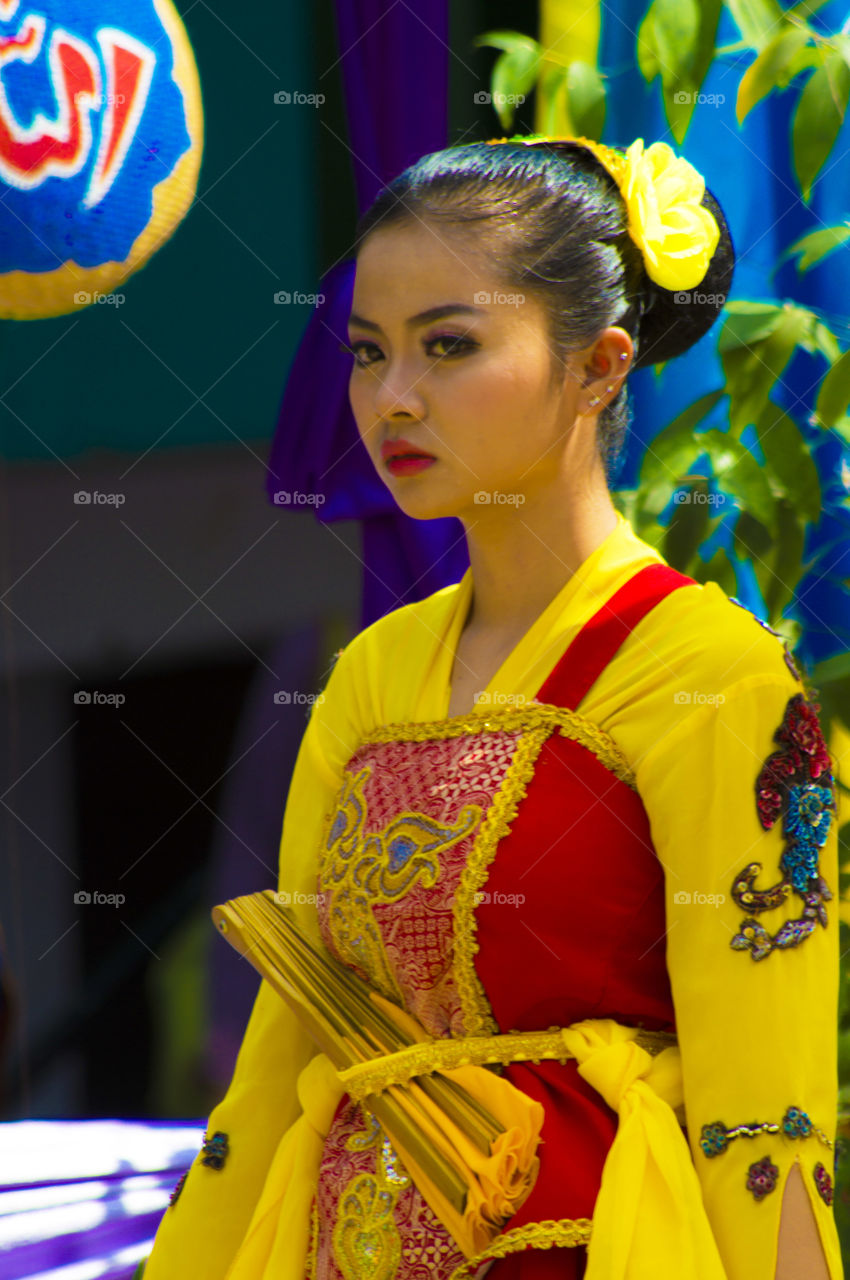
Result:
x=147 y=630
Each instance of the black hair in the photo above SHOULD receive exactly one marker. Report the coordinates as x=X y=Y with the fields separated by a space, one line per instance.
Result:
x=553 y=220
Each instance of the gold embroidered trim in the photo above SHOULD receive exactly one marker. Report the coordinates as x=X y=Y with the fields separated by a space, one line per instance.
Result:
x=529 y=715
x=549 y=1234
x=442 y=1055
x=477 y=1015
x=312 y=1253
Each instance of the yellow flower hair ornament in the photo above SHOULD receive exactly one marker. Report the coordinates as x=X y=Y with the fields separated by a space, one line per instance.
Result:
x=662 y=192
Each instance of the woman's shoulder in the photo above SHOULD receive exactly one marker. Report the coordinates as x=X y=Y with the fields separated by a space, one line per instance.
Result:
x=698 y=631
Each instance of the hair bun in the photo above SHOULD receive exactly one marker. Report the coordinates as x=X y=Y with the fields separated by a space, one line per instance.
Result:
x=674 y=321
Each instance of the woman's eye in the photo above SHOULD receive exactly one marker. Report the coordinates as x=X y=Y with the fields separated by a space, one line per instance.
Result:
x=353 y=350
x=456 y=344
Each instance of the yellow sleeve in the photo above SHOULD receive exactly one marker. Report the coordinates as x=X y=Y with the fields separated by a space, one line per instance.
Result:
x=202 y=1229
x=738 y=795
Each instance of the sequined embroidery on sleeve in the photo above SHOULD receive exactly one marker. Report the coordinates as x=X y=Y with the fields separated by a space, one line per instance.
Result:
x=716 y=1137
x=795 y=782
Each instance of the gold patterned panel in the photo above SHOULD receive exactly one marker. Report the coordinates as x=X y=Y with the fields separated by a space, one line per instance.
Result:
x=364 y=869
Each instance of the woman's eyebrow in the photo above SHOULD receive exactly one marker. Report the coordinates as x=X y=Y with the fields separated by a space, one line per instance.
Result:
x=422 y=317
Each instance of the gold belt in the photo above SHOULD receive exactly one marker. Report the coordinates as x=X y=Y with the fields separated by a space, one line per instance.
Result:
x=428 y=1056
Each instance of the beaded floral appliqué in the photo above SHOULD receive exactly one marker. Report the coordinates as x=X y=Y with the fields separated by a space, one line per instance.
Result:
x=795 y=782
x=823 y=1182
x=761 y=1177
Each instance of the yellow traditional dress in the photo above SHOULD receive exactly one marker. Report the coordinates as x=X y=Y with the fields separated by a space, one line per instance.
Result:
x=699 y=721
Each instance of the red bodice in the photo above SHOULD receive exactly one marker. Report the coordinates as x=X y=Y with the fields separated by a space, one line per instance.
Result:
x=494 y=872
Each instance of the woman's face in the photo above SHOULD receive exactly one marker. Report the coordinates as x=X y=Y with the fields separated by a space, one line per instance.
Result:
x=473 y=386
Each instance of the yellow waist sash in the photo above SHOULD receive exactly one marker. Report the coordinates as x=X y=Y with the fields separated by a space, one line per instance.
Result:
x=648 y=1219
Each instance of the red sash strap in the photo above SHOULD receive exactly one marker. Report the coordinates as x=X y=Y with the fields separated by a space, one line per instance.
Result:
x=601 y=636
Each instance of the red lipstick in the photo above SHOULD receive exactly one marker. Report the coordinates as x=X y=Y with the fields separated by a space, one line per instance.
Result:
x=403 y=458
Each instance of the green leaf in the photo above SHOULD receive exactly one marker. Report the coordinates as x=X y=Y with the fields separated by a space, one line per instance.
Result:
x=757 y=20
x=818 y=117
x=669 y=456
x=552 y=104
x=738 y=472
x=586 y=96
x=830 y=669
x=815 y=246
x=747 y=322
x=752 y=370
x=718 y=569
x=507 y=41
x=788 y=558
x=805 y=9
x=751 y=540
x=514 y=75
x=645 y=48
x=834 y=394
x=764 y=74
x=825 y=341
x=787 y=456
x=688 y=527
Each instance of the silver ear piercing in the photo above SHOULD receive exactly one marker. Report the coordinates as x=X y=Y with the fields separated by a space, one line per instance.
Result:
x=595 y=399
x=623 y=355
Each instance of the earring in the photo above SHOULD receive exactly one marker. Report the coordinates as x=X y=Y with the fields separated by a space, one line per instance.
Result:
x=593 y=400
x=623 y=355
x=610 y=387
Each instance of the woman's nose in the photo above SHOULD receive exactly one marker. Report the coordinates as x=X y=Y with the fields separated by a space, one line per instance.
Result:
x=397 y=390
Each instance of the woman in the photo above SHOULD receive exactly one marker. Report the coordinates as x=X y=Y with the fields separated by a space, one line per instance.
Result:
x=576 y=790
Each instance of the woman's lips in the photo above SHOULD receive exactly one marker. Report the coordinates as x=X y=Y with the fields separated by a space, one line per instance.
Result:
x=400 y=466
x=403 y=458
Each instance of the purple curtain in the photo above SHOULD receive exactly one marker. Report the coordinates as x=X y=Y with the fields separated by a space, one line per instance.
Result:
x=394 y=63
